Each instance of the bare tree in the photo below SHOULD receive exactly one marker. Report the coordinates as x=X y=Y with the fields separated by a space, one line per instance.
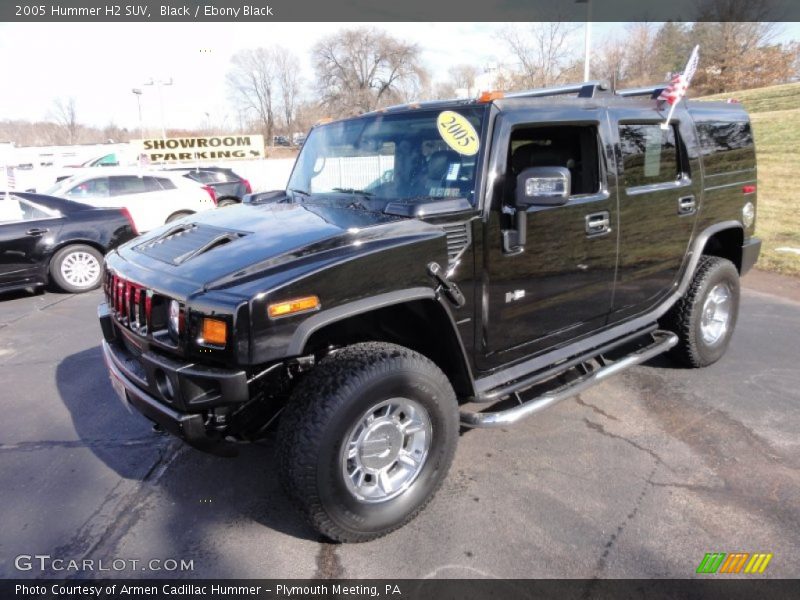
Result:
x=252 y=81
x=66 y=117
x=610 y=61
x=365 y=68
x=543 y=51
x=288 y=74
x=463 y=76
x=641 y=55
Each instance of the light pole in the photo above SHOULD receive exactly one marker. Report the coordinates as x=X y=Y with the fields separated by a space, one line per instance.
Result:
x=159 y=83
x=138 y=93
x=587 y=39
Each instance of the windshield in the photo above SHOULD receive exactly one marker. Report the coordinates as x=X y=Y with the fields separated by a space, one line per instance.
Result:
x=409 y=157
x=57 y=188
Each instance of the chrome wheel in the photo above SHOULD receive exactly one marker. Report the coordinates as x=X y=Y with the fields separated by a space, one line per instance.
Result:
x=716 y=314
x=385 y=451
x=80 y=269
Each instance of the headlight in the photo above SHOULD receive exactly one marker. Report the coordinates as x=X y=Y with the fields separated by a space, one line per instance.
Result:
x=174 y=320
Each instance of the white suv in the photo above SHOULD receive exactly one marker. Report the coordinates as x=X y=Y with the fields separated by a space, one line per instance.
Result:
x=152 y=199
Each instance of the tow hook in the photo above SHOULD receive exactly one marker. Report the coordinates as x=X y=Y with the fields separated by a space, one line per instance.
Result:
x=450 y=289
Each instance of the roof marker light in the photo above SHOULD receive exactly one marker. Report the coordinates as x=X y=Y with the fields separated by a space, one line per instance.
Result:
x=489 y=96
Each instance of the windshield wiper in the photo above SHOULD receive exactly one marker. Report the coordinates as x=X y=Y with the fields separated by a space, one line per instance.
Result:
x=425 y=198
x=352 y=191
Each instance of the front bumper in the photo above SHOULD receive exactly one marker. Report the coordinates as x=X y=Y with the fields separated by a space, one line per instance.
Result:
x=750 y=251
x=185 y=399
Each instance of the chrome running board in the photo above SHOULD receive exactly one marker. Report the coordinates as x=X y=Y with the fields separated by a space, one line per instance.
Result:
x=662 y=341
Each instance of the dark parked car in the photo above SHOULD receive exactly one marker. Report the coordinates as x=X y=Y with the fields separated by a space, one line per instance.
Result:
x=461 y=263
x=229 y=187
x=44 y=239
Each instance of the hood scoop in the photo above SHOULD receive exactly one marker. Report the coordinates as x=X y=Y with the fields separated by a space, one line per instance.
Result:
x=186 y=241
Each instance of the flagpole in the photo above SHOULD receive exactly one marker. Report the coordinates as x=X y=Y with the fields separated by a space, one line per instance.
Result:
x=686 y=77
x=665 y=124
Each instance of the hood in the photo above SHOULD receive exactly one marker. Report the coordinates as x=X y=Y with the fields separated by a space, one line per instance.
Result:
x=228 y=246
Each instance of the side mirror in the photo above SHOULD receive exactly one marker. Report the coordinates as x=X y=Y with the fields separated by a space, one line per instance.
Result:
x=264 y=197
x=543 y=186
x=536 y=186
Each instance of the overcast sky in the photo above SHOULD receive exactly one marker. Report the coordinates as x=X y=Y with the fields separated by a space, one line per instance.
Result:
x=99 y=63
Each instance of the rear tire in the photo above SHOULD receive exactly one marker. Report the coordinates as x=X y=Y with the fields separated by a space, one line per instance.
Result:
x=367 y=439
x=705 y=317
x=77 y=268
x=177 y=215
x=226 y=202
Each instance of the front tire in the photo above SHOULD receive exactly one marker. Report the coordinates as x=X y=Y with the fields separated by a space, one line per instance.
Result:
x=367 y=439
x=705 y=317
x=77 y=268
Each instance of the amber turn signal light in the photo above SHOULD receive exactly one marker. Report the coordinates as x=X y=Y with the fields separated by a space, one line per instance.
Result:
x=291 y=307
x=488 y=96
x=214 y=332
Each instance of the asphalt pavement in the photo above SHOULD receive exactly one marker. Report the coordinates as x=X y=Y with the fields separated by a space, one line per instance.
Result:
x=638 y=477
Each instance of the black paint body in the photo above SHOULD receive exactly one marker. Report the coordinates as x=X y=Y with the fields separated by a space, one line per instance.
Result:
x=26 y=247
x=375 y=267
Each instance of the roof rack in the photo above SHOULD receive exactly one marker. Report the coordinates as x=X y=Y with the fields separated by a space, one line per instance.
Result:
x=586 y=89
x=654 y=91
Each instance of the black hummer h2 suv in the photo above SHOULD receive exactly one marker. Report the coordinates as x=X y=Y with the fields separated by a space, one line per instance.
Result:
x=430 y=267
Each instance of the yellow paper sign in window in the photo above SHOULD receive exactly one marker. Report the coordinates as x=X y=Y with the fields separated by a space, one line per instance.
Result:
x=459 y=133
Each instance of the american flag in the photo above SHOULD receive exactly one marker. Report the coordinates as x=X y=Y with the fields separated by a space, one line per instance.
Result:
x=676 y=90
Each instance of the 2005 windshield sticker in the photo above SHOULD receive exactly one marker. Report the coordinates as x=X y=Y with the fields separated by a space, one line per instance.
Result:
x=459 y=133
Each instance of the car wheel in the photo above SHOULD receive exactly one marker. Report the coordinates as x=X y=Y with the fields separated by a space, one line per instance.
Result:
x=226 y=202
x=176 y=216
x=705 y=317
x=367 y=439
x=77 y=268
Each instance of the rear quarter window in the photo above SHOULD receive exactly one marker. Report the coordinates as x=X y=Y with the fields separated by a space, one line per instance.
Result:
x=206 y=176
x=726 y=146
x=166 y=184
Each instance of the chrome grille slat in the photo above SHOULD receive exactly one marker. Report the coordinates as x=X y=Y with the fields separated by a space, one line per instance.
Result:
x=128 y=303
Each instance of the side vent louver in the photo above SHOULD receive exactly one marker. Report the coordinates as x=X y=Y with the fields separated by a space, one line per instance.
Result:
x=458 y=240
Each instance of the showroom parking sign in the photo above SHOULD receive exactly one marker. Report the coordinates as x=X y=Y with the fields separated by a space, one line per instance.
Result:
x=213 y=147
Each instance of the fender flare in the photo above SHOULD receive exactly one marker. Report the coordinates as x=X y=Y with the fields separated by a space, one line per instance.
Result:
x=351 y=309
x=330 y=316
x=697 y=251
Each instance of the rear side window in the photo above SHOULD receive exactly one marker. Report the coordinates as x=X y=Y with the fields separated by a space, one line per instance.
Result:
x=166 y=184
x=127 y=184
x=206 y=176
x=726 y=146
x=151 y=184
x=649 y=154
x=32 y=211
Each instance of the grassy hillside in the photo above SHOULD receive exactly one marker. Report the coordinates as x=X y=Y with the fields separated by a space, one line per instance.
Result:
x=775 y=112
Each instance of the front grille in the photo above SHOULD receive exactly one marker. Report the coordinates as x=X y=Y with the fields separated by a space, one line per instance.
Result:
x=134 y=306
x=458 y=239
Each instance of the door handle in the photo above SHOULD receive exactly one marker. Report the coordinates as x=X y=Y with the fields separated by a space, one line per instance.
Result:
x=686 y=205
x=37 y=231
x=598 y=223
